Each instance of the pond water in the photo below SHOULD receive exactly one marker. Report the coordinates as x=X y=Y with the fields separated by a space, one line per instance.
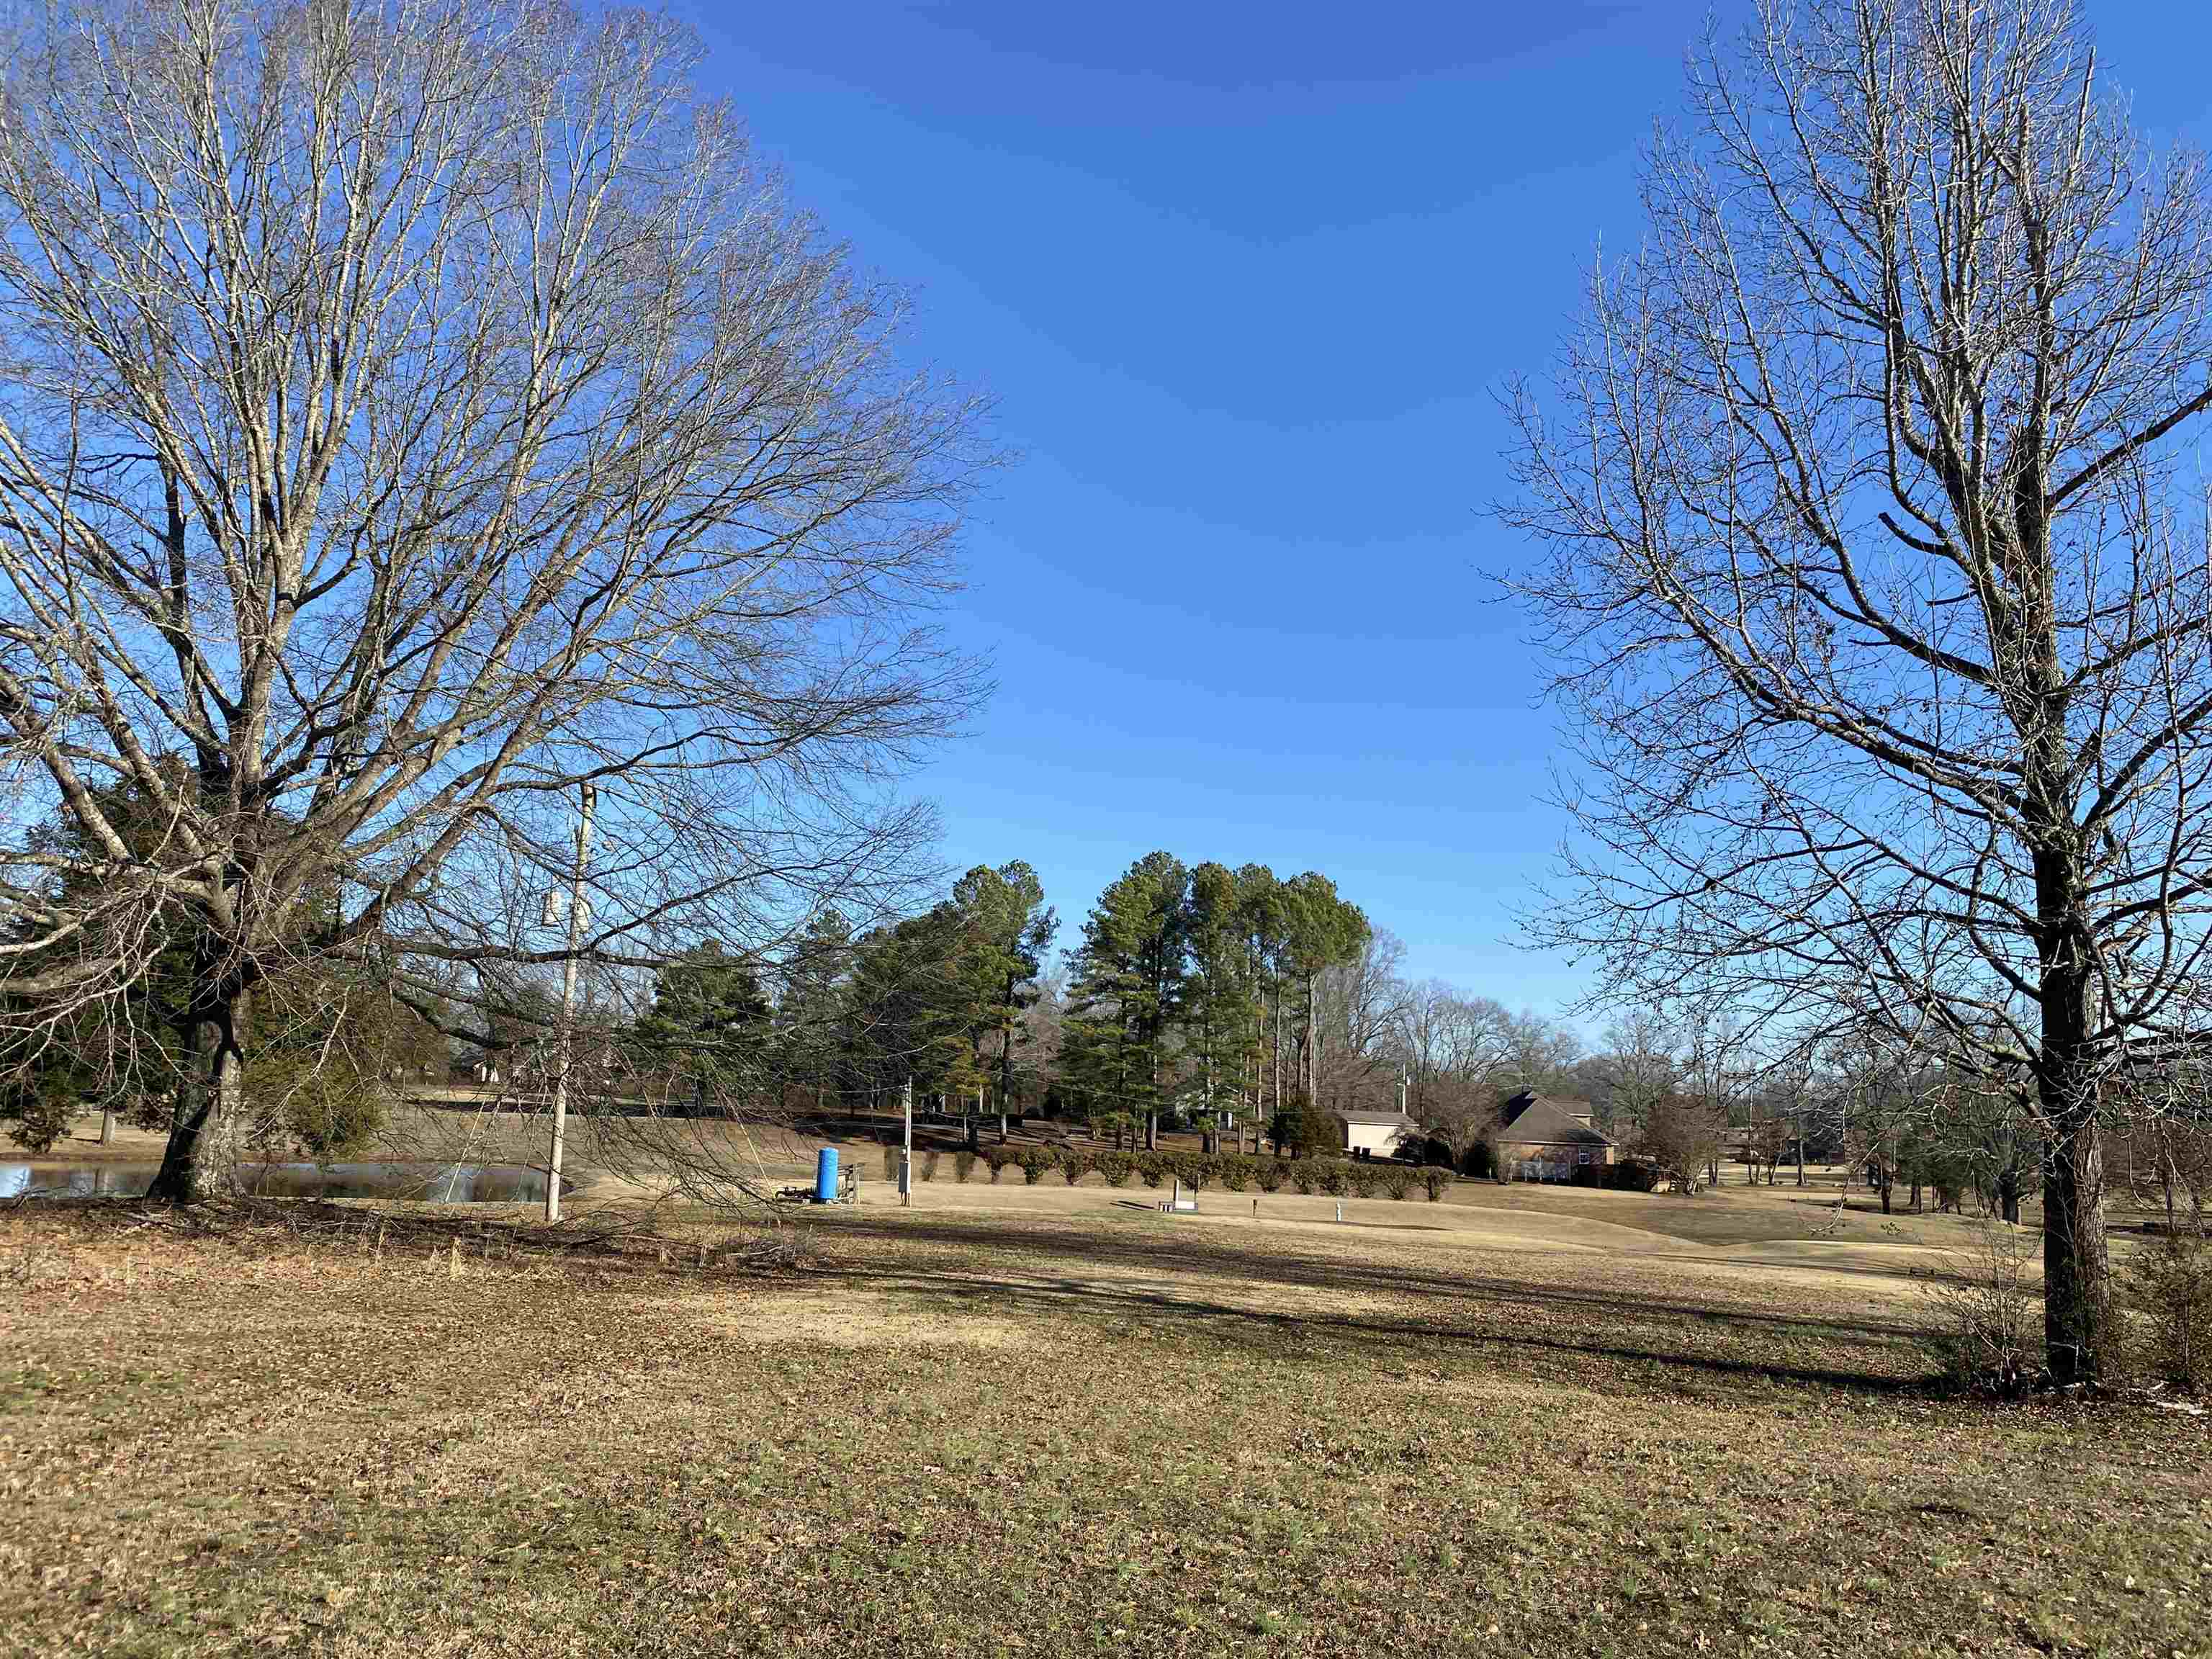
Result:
x=438 y=1183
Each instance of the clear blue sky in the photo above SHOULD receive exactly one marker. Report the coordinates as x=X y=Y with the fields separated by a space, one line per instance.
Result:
x=1245 y=280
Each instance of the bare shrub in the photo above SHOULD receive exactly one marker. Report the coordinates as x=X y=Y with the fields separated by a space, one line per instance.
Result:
x=1985 y=1310
x=2171 y=1283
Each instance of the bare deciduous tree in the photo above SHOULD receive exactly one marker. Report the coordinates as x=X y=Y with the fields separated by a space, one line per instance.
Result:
x=1452 y=1046
x=1879 y=588
x=419 y=409
x=1637 y=1070
x=1362 y=1012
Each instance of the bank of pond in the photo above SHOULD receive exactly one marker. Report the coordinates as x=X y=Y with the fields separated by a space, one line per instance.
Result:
x=421 y=1182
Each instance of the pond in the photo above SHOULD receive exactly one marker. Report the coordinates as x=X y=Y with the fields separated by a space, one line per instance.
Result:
x=437 y=1183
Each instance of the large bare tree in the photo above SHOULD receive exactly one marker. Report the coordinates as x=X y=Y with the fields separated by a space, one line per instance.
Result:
x=417 y=412
x=1877 y=588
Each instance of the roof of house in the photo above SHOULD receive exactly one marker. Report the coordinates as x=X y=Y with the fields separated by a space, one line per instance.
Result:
x=1551 y=1120
x=1365 y=1116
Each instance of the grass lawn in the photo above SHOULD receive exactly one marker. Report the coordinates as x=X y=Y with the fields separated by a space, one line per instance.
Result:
x=1027 y=1423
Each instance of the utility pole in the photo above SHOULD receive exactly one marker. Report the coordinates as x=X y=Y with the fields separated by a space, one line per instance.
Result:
x=906 y=1155
x=589 y=796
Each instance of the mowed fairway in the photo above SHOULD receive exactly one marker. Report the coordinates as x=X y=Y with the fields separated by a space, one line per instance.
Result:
x=1042 y=1421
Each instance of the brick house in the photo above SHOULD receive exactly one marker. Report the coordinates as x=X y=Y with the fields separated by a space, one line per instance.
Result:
x=1545 y=1137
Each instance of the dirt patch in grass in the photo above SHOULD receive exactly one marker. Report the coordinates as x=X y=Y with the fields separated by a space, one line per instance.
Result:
x=1103 y=1433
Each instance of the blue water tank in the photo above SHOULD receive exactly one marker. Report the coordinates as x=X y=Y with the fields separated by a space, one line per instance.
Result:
x=825 y=1175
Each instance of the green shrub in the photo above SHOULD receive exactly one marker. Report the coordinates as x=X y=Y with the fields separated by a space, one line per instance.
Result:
x=964 y=1165
x=929 y=1163
x=1362 y=1179
x=1273 y=1172
x=1398 y=1182
x=1112 y=1167
x=1151 y=1168
x=1073 y=1164
x=1195 y=1170
x=331 y=1118
x=39 y=1115
x=1235 y=1171
x=1438 y=1182
x=997 y=1157
x=1033 y=1162
x=892 y=1154
x=1305 y=1174
x=1335 y=1178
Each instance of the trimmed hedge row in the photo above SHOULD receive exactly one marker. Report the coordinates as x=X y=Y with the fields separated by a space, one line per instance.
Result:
x=1234 y=1171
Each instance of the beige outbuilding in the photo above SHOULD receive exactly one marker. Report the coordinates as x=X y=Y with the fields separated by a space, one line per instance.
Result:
x=1378 y=1135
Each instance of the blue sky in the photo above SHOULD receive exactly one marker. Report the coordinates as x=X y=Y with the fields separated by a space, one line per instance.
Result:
x=1244 y=280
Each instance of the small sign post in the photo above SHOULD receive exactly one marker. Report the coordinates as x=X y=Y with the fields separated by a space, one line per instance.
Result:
x=906 y=1147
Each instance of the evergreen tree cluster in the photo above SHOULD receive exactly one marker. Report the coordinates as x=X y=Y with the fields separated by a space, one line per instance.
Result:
x=1182 y=988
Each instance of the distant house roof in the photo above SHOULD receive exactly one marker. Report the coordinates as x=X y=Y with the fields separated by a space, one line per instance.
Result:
x=1551 y=1120
x=1364 y=1116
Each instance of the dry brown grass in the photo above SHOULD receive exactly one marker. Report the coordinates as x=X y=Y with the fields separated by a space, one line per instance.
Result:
x=975 y=1433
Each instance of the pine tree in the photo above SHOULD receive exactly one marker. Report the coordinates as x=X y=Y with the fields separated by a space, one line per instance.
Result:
x=1007 y=928
x=811 y=1015
x=908 y=1020
x=1321 y=930
x=1217 y=1010
x=707 y=1032
x=1131 y=980
x=1263 y=913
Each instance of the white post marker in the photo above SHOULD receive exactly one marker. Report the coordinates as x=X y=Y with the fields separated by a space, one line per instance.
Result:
x=1340 y=1209
x=589 y=794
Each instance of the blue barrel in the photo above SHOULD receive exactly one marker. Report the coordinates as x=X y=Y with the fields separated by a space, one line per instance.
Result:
x=825 y=1175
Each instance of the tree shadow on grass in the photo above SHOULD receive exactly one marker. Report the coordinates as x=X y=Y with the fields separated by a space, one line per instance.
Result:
x=1671 y=1369
x=1460 y=1309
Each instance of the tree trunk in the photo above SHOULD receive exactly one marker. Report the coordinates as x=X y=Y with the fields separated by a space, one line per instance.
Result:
x=2077 y=1314
x=1151 y=1132
x=107 y=1125
x=2077 y=1311
x=201 y=1160
x=1313 y=1038
x=1278 y=1058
